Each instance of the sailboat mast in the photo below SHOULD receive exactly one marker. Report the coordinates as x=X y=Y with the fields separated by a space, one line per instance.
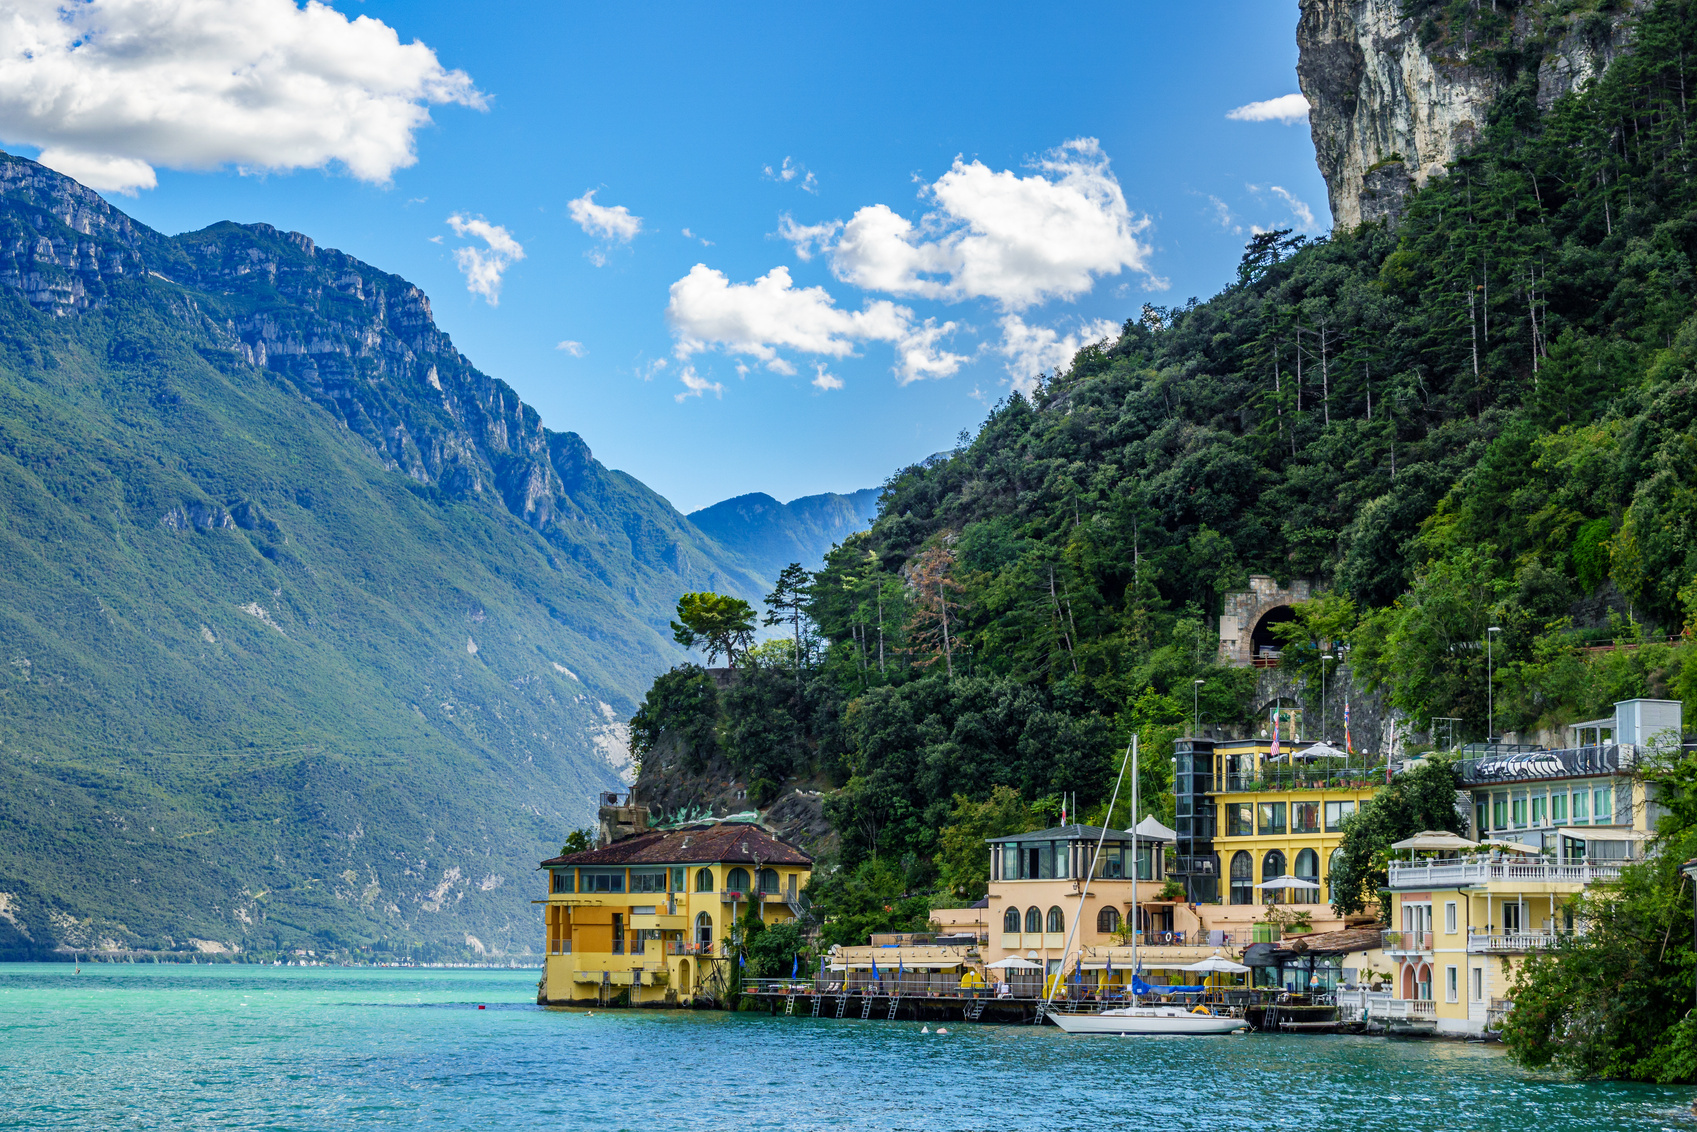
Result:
x=1136 y=867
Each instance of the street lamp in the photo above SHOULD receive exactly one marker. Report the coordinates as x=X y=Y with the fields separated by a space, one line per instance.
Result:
x=1490 y=691
x=1196 y=708
x=1325 y=709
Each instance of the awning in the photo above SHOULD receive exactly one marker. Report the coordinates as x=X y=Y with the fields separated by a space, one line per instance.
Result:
x=1014 y=963
x=1511 y=846
x=1608 y=834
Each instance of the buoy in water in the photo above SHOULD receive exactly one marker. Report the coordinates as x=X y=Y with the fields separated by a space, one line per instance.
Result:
x=480 y=1006
x=925 y=1029
x=940 y=1030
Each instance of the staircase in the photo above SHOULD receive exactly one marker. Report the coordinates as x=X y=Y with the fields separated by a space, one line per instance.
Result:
x=974 y=1010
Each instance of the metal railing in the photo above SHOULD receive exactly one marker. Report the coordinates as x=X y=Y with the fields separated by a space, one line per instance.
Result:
x=1405 y=941
x=1303 y=778
x=1423 y=874
x=1479 y=943
x=684 y=947
x=1505 y=765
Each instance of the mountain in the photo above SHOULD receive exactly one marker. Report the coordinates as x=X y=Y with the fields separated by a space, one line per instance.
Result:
x=313 y=634
x=770 y=535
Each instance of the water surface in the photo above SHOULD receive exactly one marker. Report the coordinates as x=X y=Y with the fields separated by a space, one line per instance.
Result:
x=318 y=1049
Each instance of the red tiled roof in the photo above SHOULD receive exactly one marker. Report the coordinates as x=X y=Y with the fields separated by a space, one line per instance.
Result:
x=1335 y=943
x=736 y=843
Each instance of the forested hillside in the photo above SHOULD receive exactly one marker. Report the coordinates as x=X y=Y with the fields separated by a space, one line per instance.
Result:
x=313 y=635
x=1480 y=416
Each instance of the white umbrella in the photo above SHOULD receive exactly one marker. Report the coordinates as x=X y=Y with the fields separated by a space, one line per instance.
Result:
x=1511 y=846
x=1321 y=750
x=1153 y=830
x=1435 y=839
x=1216 y=963
x=1289 y=882
x=1013 y=962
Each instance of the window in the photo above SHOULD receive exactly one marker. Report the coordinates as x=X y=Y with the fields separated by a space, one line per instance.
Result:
x=560 y=881
x=1540 y=806
x=1057 y=920
x=1146 y=858
x=1499 y=811
x=1478 y=994
x=1602 y=803
x=1511 y=919
x=704 y=929
x=1271 y=816
x=618 y=933
x=1010 y=862
x=1332 y=871
x=1519 y=811
x=677 y=880
x=1010 y=921
x=1307 y=868
x=1558 y=809
x=1240 y=819
x=1033 y=921
x=1449 y=917
x=1108 y=920
x=1450 y=989
x=653 y=880
x=1242 y=878
x=704 y=880
x=736 y=880
x=1110 y=865
x=1481 y=819
x=609 y=880
x=1581 y=806
x=769 y=881
x=1335 y=813
x=1272 y=868
x=1305 y=817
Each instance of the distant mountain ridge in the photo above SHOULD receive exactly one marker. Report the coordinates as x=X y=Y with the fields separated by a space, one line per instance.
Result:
x=770 y=535
x=312 y=633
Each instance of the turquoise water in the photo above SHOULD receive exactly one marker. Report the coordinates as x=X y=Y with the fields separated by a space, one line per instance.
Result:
x=134 y=1047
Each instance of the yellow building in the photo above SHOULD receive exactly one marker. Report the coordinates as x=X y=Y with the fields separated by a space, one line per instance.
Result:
x=649 y=919
x=1271 y=820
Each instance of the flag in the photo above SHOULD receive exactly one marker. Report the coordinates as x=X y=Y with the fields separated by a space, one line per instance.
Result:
x=795 y=966
x=1110 y=963
x=901 y=968
x=874 y=970
x=742 y=961
x=1346 y=747
x=1275 y=755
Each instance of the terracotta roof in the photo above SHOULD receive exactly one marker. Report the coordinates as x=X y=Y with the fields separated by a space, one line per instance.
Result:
x=1335 y=943
x=736 y=842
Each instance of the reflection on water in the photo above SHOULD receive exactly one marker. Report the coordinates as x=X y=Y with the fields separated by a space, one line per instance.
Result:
x=310 y=1049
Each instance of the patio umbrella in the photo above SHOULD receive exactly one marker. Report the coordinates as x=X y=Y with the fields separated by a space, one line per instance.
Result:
x=1435 y=839
x=1289 y=882
x=1013 y=962
x=1216 y=964
x=1511 y=846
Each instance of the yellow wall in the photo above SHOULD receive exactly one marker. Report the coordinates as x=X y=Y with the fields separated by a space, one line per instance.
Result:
x=584 y=921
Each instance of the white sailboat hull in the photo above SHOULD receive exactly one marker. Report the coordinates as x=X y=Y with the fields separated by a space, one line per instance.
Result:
x=1146 y=1020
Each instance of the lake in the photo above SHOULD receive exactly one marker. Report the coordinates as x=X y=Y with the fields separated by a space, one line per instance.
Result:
x=231 y=1047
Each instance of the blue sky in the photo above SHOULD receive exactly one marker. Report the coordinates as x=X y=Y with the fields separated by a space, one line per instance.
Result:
x=968 y=124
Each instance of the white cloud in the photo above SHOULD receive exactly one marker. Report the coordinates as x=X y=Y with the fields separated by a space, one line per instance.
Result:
x=1287 y=108
x=695 y=385
x=996 y=235
x=109 y=89
x=688 y=235
x=574 y=348
x=1031 y=350
x=792 y=172
x=615 y=224
x=824 y=382
x=808 y=239
x=1223 y=213
x=761 y=318
x=483 y=266
x=1298 y=209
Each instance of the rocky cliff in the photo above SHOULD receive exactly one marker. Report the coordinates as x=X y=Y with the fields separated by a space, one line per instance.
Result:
x=1399 y=88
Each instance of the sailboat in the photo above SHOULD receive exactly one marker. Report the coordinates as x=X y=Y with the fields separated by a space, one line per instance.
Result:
x=1130 y=1020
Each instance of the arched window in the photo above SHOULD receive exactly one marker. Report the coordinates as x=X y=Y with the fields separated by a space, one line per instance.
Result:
x=1308 y=868
x=737 y=880
x=1010 y=921
x=704 y=932
x=769 y=881
x=704 y=880
x=1108 y=920
x=1057 y=920
x=1332 y=871
x=1243 y=878
x=1272 y=868
x=1033 y=920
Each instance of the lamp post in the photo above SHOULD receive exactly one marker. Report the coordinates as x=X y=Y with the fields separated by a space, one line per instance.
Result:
x=1325 y=708
x=1196 y=708
x=1490 y=691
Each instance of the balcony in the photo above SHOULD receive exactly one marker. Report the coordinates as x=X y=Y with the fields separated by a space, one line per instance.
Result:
x=1415 y=1010
x=1509 y=943
x=1448 y=874
x=1406 y=943
x=1303 y=778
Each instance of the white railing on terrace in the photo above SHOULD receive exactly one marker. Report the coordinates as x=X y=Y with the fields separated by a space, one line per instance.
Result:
x=1434 y=874
x=1481 y=944
x=1405 y=941
x=1411 y=1009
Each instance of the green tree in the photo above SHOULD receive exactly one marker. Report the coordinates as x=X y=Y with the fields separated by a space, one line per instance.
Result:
x=579 y=841
x=963 y=857
x=788 y=602
x=682 y=705
x=853 y=904
x=717 y=624
x=1416 y=800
